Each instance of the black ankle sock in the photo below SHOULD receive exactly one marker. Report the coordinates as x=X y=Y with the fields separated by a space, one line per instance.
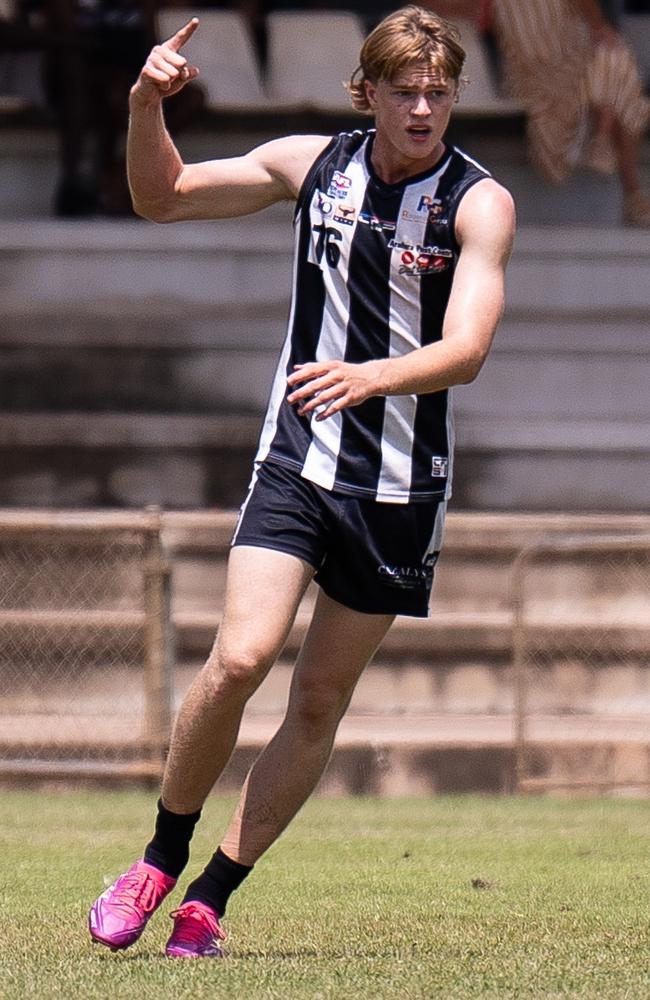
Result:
x=169 y=850
x=217 y=881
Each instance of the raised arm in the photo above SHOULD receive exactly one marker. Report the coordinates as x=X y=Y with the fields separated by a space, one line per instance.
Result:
x=165 y=189
x=485 y=229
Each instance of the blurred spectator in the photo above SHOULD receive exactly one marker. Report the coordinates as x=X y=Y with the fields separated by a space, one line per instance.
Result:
x=580 y=85
x=101 y=47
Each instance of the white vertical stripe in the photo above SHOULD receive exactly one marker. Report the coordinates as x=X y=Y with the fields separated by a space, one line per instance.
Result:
x=322 y=456
x=435 y=542
x=242 y=509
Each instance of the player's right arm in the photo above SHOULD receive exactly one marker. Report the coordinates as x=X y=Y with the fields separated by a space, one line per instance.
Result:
x=165 y=189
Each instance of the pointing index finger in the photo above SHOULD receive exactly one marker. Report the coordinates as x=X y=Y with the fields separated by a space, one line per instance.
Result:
x=183 y=35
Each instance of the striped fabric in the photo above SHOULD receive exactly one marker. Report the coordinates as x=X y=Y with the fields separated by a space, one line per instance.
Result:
x=552 y=65
x=373 y=269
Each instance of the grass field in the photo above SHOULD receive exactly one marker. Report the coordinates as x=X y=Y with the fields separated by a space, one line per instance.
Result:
x=456 y=897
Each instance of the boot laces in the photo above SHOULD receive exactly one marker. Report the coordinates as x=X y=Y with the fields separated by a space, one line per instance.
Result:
x=196 y=926
x=138 y=893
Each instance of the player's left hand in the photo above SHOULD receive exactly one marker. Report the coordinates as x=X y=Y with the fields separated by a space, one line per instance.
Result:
x=331 y=386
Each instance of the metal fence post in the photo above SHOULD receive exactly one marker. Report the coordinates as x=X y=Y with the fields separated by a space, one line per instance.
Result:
x=519 y=639
x=158 y=643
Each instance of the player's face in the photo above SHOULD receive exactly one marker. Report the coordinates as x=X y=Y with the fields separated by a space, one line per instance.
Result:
x=411 y=114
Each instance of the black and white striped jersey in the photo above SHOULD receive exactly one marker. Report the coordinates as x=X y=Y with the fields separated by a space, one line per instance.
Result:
x=372 y=275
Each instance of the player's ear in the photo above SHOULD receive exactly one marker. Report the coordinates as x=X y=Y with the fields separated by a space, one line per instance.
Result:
x=371 y=93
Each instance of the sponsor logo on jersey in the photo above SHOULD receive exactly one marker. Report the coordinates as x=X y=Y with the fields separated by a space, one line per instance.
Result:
x=420 y=264
x=439 y=467
x=324 y=206
x=340 y=185
x=419 y=248
x=375 y=223
x=345 y=215
x=434 y=206
x=437 y=210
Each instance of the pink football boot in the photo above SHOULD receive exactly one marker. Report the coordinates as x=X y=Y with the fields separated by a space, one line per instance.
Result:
x=119 y=916
x=197 y=932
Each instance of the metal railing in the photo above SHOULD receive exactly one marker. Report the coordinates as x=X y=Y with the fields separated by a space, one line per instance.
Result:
x=86 y=649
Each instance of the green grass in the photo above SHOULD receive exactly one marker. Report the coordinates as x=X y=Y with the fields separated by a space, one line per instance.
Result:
x=360 y=899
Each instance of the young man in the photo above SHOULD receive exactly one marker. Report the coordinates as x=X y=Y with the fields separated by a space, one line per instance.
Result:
x=401 y=246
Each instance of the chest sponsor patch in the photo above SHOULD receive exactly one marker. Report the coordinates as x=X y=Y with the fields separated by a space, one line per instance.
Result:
x=323 y=205
x=375 y=223
x=345 y=214
x=340 y=185
x=420 y=264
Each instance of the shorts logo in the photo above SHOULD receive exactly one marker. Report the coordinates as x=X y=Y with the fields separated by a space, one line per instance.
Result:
x=406 y=577
x=439 y=467
x=340 y=185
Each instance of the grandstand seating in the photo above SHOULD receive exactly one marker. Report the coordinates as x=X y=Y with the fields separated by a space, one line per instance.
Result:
x=224 y=52
x=310 y=56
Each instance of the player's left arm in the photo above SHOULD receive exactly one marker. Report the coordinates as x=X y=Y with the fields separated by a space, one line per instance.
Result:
x=485 y=225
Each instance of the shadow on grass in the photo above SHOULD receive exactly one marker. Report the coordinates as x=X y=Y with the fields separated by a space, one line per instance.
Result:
x=245 y=956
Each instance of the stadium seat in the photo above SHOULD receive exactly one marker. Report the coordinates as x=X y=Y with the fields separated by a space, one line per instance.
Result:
x=481 y=96
x=223 y=51
x=310 y=55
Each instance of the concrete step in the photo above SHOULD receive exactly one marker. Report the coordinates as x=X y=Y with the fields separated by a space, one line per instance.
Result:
x=129 y=264
x=557 y=420
x=587 y=361
x=422 y=755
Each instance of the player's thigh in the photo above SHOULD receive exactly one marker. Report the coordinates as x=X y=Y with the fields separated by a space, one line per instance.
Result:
x=264 y=588
x=338 y=645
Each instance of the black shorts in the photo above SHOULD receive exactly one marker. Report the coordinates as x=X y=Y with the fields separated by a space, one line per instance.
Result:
x=377 y=558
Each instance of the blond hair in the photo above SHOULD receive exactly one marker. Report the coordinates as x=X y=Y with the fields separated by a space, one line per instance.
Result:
x=410 y=36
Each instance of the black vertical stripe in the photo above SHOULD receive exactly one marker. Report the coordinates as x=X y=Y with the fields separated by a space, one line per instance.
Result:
x=368 y=336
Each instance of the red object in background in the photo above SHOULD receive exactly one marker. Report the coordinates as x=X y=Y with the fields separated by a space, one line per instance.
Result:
x=485 y=15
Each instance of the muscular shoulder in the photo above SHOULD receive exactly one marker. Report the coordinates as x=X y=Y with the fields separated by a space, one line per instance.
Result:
x=486 y=215
x=289 y=159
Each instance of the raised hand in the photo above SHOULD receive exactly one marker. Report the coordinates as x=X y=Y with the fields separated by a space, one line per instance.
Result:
x=166 y=71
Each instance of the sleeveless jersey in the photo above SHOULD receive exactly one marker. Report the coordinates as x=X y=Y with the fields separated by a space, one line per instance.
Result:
x=373 y=269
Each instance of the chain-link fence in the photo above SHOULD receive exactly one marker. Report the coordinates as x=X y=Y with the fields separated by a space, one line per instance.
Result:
x=85 y=645
x=581 y=657
x=86 y=652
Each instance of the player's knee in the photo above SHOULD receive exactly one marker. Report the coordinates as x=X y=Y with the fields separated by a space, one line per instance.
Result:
x=318 y=708
x=239 y=668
